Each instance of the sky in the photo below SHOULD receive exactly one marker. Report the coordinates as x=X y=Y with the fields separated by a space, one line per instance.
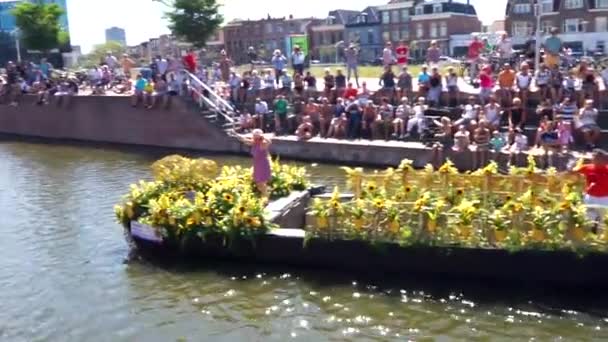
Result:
x=143 y=19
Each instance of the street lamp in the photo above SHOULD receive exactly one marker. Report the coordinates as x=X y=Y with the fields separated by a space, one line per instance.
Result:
x=17 y=44
x=538 y=13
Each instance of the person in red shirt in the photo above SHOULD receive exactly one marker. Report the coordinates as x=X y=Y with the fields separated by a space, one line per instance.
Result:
x=402 y=52
x=596 y=176
x=475 y=49
x=350 y=91
x=190 y=61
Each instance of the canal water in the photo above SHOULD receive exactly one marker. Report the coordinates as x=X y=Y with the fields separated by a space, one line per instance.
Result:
x=66 y=275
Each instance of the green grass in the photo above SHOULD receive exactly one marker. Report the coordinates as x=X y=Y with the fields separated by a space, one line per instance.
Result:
x=364 y=71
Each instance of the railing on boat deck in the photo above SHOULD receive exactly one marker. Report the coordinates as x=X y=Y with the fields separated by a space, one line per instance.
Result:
x=208 y=98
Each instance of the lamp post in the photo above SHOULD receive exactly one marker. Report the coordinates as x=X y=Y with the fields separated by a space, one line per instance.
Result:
x=538 y=13
x=17 y=44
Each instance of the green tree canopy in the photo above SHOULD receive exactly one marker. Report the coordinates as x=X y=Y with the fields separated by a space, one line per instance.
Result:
x=39 y=25
x=194 y=21
x=99 y=52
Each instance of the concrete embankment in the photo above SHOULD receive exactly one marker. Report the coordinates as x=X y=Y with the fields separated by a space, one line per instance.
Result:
x=111 y=119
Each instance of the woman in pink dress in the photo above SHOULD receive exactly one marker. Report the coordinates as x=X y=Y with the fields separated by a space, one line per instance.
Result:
x=261 y=160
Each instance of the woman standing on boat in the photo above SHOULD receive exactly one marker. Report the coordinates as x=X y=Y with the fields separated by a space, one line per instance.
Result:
x=261 y=161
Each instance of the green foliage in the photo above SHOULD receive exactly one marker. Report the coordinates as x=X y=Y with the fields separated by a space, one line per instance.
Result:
x=39 y=25
x=194 y=20
x=99 y=52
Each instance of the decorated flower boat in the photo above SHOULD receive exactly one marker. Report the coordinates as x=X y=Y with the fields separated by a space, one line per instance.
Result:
x=526 y=226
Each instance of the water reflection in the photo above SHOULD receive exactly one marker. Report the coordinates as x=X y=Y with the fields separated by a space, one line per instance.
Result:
x=64 y=277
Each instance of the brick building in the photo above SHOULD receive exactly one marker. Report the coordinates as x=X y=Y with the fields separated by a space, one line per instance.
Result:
x=327 y=40
x=583 y=24
x=364 y=31
x=265 y=35
x=420 y=22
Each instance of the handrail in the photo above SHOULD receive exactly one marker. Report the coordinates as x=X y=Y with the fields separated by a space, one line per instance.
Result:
x=213 y=100
x=214 y=96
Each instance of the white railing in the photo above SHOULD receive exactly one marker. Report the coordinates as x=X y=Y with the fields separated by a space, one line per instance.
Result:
x=208 y=98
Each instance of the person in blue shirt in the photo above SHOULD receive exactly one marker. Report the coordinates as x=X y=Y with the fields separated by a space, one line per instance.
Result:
x=553 y=48
x=424 y=80
x=278 y=63
x=45 y=68
x=140 y=86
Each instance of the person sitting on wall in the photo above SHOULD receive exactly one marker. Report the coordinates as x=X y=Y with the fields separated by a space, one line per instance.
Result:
x=305 y=130
x=140 y=86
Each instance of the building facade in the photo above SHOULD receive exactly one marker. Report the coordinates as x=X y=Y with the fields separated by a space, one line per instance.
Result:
x=583 y=24
x=265 y=36
x=327 y=40
x=364 y=31
x=116 y=34
x=420 y=22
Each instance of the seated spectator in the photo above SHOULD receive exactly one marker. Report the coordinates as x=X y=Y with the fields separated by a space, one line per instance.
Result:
x=364 y=93
x=461 y=139
x=354 y=114
x=330 y=83
x=564 y=134
x=523 y=81
x=402 y=115
x=418 y=119
x=506 y=82
x=340 y=81
x=139 y=94
x=350 y=91
x=435 y=88
x=305 y=129
x=542 y=128
x=404 y=83
x=469 y=114
x=498 y=142
x=311 y=84
x=286 y=82
x=245 y=122
x=298 y=84
x=148 y=92
x=337 y=128
x=570 y=85
x=387 y=79
x=486 y=83
x=260 y=113
x=567 y=109
x=384 y=119
x=256 y=82
x=520 y=141
x=545 y=110
x=281 y=107
x=481 y=145
x=369 y=118
x=557 y=84
x=160 y=93
x=589 y=82
x=549 y=137
x=312 y=111
x=451 y=80
x=423 y=82
x=327 y=111
x=269 y=79
x=543 y=77
x=586 y=124
x=492 y=114
x=517 y=114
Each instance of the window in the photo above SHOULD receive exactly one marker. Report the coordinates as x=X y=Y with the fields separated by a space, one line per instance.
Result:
x=572 y=25
x=572 y=4
x=521 y=28
x=419 y=30
x=405 y=34
x=405 y=15
x=433 y=32
x=437 y=8
x=279 y=28
x=600 y=46
x=394 y=16
x=601 y=24
x=601 y=3
x=545 y=26
x=546 y=6
x=419 y=10
x=395 y=36
x=443 y=29
x=522 y=8
x=386 y=17
x=386 y=36
x=370 y=36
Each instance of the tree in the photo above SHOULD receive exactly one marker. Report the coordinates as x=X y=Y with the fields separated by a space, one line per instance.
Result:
x=194 y=21
x=99 y=52
x=39 y=25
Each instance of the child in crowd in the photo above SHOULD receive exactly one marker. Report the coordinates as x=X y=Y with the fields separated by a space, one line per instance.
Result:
x=543 y=76
x=497 y=142
x=418 y=119
x=401 y=118
x=461 y=139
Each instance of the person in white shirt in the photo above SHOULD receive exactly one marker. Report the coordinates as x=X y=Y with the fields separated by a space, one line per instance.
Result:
x=523 y=80
x=586 y=123
x=388 y=58
x=111 y=61
x=604 y=75
x=161 y=65
x=492 y=114
x=469 y=114
x=505 y=48
x=298 y=59
x=401 y=117
x=418 y=119
x=261 y=110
